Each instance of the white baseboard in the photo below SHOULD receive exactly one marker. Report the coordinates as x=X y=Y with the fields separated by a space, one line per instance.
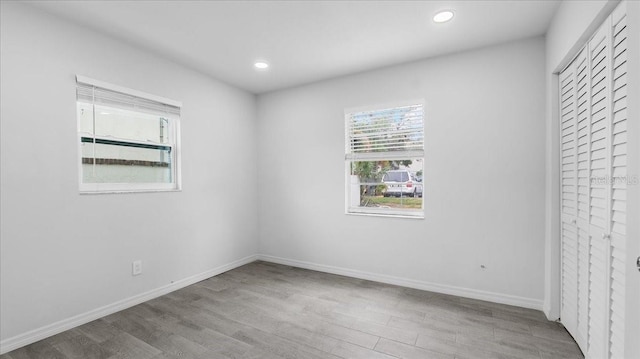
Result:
x=33 y=336
x=411 y=283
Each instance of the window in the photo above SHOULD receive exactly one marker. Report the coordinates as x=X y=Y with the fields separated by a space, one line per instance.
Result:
x=384 y=161
x=128 y=139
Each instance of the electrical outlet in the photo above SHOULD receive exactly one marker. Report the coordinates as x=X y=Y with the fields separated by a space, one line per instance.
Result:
x=136 y=267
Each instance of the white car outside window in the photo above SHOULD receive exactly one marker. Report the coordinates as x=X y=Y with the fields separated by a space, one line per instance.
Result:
x=401 y=183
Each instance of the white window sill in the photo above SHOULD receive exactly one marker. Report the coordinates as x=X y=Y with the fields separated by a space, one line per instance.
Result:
x=387 y=215
x=122 y=191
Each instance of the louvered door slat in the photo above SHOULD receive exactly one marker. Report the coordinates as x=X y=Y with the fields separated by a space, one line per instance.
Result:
x=619 y=125
x=620 y=104
x=621 y=69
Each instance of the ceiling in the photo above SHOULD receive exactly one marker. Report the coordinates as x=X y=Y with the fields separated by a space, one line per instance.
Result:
x=304 y=41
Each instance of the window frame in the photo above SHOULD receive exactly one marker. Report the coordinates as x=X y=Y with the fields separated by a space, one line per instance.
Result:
x=388 y=155
x=132 y=187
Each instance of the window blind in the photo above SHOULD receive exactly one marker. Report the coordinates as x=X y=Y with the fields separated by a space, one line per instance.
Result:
x=396 y=132
x=96 y=92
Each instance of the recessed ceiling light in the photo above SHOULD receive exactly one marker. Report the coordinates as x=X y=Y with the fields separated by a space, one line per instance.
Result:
x=261 y=65
x=443 y=16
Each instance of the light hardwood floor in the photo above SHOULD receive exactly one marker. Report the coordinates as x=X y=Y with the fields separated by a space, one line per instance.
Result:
x=264 y=310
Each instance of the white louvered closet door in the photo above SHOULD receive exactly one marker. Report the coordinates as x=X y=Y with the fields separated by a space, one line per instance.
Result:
x=569 y=247
x=618 y=188
x=593 y=98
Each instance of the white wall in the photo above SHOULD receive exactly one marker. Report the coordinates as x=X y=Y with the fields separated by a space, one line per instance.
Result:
x=484 y=176
x=65 y=254
x=573 y=24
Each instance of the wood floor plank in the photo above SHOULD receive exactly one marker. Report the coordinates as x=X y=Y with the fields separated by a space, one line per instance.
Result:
x=504 y=347
x=98 y=330
x=307 y=337
x=437 y=344
x=82 y=347
x=384 y=331
x=351 y=351
x=212 y=340
x=405 y=351
x=282 y=347
x=347 y=334
x=269 y=311
x=40 y=349
x=428 y=328
x=126 y=346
